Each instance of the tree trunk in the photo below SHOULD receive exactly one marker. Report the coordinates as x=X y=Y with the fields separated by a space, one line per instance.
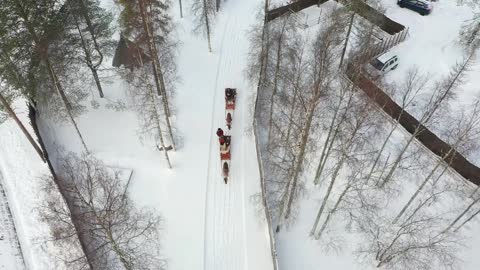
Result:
x=207 y=24
x=473 y=193
x=330 y=213
x=68 y=107
x=88 y=58
x=290 y=123
x=346 y=39
x=275 y=82
x=181 y=10
x=468 y=220
x=301 y=157
x=420 y=188
x=157 y=72
x=331 y=138
x=380 y=152
x=333 y=179
x=327 y=146
x=399 y=157
x=462 y=214
x=159 y=128
x=90 y=27
x=12 y=114
x=329 y=191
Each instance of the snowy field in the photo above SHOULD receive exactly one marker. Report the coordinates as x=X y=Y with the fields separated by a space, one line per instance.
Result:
x=432 y=46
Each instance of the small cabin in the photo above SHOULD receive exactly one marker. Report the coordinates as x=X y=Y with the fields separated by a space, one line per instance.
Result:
x=129 y=54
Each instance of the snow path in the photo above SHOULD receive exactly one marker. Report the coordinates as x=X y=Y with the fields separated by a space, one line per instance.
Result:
x=225 y=234
x=227 y=205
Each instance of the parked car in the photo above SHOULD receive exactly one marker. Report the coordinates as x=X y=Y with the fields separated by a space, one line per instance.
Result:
x=421 y=6
x=381 y=65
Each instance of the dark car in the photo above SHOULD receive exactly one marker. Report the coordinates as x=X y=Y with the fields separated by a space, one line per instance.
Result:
x=421 y=6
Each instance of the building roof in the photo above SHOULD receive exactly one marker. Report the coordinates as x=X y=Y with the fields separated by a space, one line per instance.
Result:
x=129 y=54
x=385 y=57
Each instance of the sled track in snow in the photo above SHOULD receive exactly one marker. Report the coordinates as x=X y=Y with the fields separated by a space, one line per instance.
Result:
x=209 y=169
x=225 y=224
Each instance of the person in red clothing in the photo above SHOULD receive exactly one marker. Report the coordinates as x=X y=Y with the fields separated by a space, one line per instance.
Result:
x=220 y=133
x=222 y=140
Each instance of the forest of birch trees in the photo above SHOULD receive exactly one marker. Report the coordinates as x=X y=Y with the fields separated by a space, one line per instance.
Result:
x=321 y=136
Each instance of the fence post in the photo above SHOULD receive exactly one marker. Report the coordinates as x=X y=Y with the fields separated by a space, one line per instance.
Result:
x=386 y=43
x=397 y=39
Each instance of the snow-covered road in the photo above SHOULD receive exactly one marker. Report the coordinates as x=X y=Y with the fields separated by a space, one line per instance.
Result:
x=230 y=243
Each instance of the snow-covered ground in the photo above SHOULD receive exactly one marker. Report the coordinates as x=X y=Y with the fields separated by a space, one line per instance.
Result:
x=208 y=224
x=20 y=170
x=433 y=47
x=11 y=256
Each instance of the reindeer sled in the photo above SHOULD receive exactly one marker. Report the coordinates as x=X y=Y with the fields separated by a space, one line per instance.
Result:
x=225 y=141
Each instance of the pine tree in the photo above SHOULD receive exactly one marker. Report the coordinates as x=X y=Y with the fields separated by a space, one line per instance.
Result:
x=148 y=25
x=41 y=56
x=91 y=31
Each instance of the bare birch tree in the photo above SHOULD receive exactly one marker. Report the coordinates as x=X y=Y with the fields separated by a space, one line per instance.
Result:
x=413 y=85
x=204 y=12
x=123 y=235
x=351 y=145
x=442 y=92
x=464 y=132
x=324 y=54
x=92 y=35
x=286 y=27
x=412 y=245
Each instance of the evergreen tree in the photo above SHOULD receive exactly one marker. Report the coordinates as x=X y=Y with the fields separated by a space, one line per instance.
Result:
x=148 y=25
x=90 y=31
x=40 y=57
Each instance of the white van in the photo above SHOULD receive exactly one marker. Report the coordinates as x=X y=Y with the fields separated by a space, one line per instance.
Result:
x=382 y=64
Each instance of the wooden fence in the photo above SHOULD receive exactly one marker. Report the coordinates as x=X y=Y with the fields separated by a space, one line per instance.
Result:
x=386 y=44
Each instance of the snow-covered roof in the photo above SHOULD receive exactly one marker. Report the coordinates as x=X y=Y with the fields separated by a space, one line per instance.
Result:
x=386 y=56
